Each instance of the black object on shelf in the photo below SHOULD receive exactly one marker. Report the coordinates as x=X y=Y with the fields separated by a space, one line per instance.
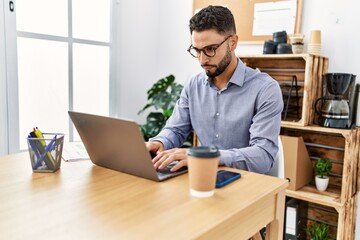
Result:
x=269 y=47
x=295 y=219
x=289 y=95
x=280 y=37
x=283 y=48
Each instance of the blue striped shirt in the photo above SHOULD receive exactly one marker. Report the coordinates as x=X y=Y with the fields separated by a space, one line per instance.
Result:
x=242 y=120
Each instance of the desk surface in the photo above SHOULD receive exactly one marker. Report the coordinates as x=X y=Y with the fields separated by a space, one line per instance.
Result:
x=84 y=201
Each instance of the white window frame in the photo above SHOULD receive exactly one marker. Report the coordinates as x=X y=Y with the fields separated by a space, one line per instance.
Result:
x=9 y=114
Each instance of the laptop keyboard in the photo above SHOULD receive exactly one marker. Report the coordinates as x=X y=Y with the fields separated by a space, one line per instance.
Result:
x=166 y=171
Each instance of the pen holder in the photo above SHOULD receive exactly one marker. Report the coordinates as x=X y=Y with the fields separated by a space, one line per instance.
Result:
x=45 y=153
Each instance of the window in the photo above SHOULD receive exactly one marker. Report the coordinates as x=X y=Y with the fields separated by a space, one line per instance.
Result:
x=63 y=63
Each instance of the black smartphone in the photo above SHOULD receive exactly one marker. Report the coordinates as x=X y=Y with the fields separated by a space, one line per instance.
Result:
x=225 y=177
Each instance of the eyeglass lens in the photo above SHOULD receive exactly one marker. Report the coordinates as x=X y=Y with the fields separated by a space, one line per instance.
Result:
x=209 y=51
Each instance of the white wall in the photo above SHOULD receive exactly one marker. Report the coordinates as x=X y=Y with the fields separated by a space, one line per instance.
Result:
x=138 y=41
x=154 y=38
x=175 y=40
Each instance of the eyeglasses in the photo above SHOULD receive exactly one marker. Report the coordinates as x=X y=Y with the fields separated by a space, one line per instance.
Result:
x=209 y=51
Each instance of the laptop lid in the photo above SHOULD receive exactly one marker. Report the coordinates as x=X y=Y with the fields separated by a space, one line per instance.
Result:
x=116 y=144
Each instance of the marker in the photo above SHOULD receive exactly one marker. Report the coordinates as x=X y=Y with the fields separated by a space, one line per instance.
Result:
x=38 y=133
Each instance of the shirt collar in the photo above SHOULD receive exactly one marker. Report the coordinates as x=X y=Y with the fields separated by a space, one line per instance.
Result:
x=237 y=78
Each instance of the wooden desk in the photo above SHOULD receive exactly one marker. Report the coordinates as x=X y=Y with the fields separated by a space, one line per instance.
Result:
x=84 y=201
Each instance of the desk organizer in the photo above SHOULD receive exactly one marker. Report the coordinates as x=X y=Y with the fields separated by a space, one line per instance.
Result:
x=45 y=153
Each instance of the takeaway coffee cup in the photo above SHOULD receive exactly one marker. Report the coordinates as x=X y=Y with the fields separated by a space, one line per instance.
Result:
x=202 y=165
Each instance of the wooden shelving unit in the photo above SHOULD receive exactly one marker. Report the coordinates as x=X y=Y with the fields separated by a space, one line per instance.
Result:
x=342 y=148
x=306 y=68
x=337 y=205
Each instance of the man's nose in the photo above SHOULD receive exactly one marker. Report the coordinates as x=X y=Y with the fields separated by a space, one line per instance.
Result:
x=203 y=58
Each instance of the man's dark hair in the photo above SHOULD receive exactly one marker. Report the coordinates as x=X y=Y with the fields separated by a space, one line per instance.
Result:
x=213 y=17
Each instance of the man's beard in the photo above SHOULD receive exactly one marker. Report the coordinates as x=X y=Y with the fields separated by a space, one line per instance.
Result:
x=224 y=63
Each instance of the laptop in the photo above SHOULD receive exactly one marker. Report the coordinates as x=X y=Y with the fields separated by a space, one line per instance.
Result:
x=119 y=145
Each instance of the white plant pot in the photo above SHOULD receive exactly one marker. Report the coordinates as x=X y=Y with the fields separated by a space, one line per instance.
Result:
x=321 y=183
x=297 y=48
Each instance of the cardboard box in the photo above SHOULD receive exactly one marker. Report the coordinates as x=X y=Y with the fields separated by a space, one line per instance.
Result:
x=297 y=164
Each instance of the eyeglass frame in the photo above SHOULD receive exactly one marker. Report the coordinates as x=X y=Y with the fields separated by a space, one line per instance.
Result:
x=214 y=46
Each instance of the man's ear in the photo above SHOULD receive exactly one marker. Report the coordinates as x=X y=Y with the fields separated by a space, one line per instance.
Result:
x=234 y=41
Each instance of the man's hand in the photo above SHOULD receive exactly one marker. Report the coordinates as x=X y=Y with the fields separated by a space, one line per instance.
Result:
x=164 y=158
x=155 y=147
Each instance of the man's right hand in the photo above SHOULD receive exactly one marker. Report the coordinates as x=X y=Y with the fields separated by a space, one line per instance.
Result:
x=155 y=147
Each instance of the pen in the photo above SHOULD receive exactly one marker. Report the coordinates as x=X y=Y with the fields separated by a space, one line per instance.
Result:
x=47 y=150
x=32 y=134
x=33 y=147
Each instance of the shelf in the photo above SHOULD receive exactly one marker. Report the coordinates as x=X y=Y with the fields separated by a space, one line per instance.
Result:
x=317 y=128
x=341 y=146
x=310 y=194
x=276 y=56
x=308 y=70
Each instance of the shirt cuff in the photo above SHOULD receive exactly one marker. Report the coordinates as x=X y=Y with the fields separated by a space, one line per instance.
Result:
x=227 y=159
x=162 y=140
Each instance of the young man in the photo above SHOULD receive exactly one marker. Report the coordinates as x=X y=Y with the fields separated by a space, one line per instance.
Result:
x=231 y=106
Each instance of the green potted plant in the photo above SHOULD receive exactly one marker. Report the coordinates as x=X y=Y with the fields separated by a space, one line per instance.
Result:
x=162 y=97
x=297 y=43
x=322 y=169
x=318 y=231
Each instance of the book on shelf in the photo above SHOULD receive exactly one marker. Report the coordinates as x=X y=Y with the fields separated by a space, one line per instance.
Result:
x=295 y=220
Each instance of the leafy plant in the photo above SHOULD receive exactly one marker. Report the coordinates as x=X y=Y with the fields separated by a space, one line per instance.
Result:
x=322 y=167
x=162 y=96
x=318 y=231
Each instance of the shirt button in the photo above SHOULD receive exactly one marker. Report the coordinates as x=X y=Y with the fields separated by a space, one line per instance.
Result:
x=218 y=92
x=217 y=135
x=217 y=114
